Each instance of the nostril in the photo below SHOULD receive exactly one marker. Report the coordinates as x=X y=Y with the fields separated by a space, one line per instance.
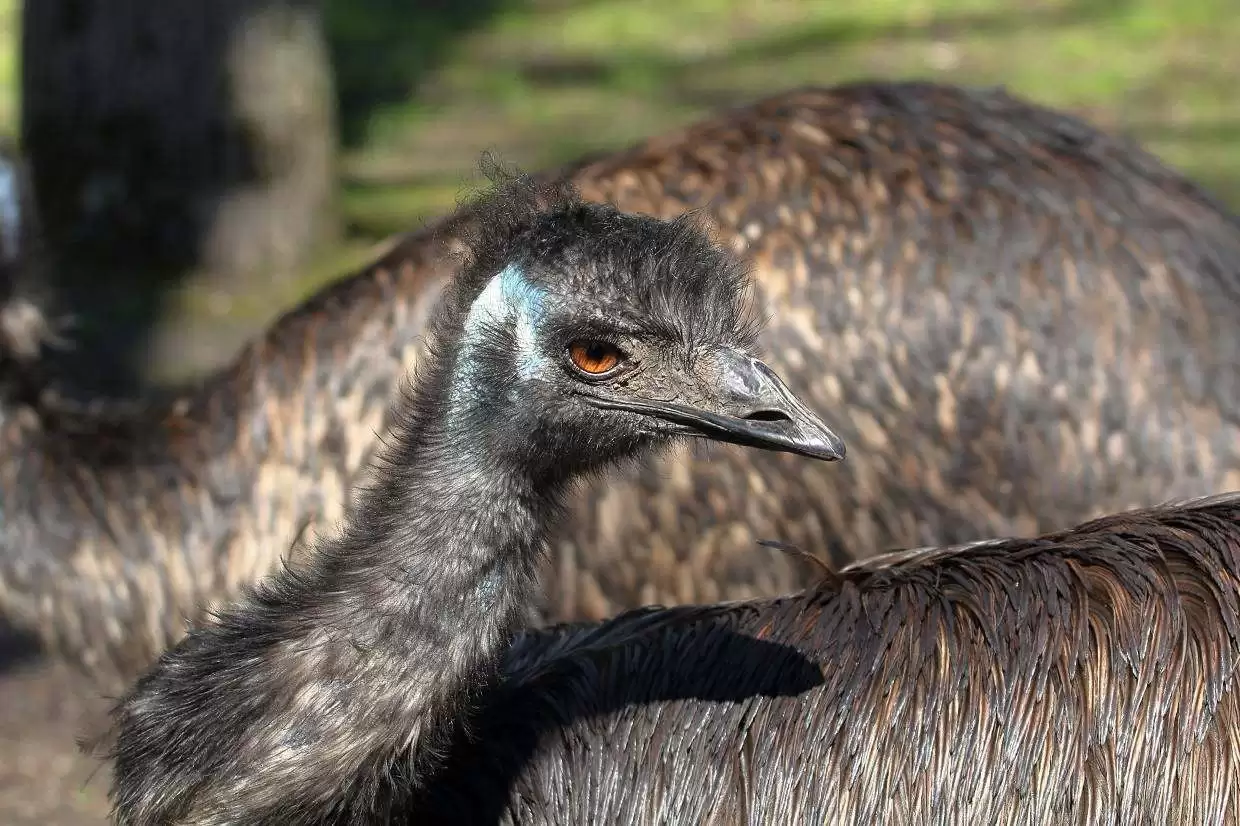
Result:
x=768 y=416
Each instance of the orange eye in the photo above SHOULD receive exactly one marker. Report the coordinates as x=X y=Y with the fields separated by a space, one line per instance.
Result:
x=593 y=357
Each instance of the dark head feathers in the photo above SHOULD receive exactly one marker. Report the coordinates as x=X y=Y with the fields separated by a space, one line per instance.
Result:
x=586 y=269
x=658 y=272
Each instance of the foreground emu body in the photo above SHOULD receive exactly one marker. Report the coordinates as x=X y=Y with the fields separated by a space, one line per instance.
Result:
x=1085 y=677
x=1019 y=323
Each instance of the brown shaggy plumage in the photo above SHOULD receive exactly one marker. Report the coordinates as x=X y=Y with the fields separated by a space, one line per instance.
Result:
x=1017 y=321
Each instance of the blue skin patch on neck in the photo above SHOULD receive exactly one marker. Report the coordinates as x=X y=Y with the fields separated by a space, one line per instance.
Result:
x=508 y=300
x=524 y=301
x=519 y=293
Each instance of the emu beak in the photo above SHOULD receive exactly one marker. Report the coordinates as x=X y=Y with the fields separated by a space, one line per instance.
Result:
x=754 y=408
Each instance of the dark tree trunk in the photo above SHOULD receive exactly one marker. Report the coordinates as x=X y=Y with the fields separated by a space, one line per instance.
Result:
x=179 y=136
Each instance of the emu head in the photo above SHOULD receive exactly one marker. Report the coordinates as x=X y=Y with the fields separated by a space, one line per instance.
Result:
x=587 y=335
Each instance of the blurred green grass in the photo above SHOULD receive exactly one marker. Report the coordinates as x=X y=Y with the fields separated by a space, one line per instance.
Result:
x=10 y=37
x=544 y=81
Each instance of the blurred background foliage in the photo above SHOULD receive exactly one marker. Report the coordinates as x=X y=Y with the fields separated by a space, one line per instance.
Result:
x=422 y=88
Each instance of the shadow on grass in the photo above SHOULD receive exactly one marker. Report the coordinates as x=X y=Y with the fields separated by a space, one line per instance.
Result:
x=381 y=50
x=666 y=74
x=678 y=83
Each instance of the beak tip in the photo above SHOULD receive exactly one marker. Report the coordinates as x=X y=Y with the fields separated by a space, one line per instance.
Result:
x=833 y=449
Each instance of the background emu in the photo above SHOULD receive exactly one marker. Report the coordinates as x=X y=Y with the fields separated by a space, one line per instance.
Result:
x=575 y=338
x=1083 y=677
x=1018 y=321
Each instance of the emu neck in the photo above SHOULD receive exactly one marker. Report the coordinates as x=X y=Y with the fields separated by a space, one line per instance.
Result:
x=449 y=539
x=433 y=575
x=367 y=656
x=373 y=653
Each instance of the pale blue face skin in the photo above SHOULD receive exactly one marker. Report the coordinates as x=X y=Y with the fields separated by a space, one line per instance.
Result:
x=510 y=301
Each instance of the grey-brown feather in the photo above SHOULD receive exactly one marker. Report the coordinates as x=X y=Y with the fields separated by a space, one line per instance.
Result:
x=1018 y=322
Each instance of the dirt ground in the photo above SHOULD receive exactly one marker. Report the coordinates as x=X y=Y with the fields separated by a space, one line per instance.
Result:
x=44 y=707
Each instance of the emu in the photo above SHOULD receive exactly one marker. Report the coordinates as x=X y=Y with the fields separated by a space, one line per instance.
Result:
x=1019 y=321
x=576 y=337
x=1083 y=677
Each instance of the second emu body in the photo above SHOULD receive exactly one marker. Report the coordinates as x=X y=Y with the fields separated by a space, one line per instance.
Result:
x=1019 y=322
x=1086 y=677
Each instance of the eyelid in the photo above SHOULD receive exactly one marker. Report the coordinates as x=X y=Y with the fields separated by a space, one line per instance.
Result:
x=607 y=328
